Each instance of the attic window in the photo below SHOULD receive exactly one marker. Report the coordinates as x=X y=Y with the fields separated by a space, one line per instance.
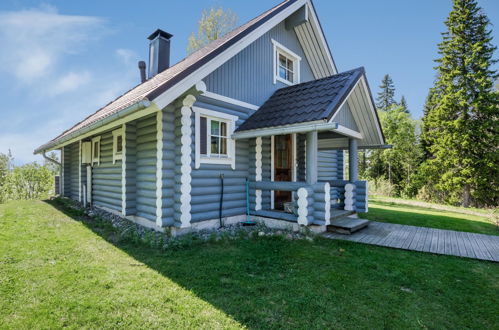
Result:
x=286 y=65
x=214 y=144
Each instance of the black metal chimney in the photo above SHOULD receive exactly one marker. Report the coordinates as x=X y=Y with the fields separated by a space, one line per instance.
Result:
x=159 y=52
x=142 y=68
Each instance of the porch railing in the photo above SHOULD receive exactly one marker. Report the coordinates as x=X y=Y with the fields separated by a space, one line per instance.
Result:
x=313 y=201
x=358 y=195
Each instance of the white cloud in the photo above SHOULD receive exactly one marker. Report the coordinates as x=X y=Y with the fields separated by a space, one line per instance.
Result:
x=37 y=50
x=37 y=39
x=127 y=56
x=70 y=82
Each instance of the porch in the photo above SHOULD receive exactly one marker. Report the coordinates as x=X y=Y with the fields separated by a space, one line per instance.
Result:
x=316 y=200
x=309 y=126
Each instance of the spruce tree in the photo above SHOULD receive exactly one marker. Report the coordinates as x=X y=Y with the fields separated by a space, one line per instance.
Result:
x=461 y=121
x=385 y=98
x=403 y=104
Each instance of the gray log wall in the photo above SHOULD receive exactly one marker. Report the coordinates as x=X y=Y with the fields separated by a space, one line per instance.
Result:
x=131 y=168
x=330 y=165
x=206 y=182
x=106 y=176
x=146 y=167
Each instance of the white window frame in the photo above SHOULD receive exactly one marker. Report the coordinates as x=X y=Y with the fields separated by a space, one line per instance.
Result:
x=230 y=120
x=95 y=159
x=117 y=155
x=279 y=49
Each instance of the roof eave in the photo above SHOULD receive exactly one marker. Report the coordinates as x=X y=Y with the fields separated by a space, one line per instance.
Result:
x=142 y=104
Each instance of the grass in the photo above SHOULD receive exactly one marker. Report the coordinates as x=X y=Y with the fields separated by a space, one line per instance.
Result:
x=414 y=215
x=57 y=272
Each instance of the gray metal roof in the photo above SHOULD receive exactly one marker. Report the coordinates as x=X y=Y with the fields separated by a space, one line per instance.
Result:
x=153 y=87
x=310 y=101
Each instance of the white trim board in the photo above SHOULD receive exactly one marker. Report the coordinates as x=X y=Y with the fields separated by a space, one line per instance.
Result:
x=230 y=100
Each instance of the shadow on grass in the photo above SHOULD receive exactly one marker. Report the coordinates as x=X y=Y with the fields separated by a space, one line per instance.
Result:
x=274 y=283
x=420 y=216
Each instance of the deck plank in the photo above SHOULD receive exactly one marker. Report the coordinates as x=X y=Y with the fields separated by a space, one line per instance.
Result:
x=447 y=242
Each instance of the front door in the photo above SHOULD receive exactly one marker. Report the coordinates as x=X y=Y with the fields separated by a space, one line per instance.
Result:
x=283 y=168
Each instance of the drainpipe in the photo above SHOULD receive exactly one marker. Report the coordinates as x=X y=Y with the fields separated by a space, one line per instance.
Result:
x=50 y=159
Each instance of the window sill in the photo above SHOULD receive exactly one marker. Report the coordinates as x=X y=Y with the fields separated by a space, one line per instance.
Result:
x=284 y=81
x=216 y=160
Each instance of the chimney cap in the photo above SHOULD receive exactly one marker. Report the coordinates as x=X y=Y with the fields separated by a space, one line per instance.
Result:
x=161 y=33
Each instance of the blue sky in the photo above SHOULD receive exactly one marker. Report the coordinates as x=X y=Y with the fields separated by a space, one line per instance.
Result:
x=62 y=60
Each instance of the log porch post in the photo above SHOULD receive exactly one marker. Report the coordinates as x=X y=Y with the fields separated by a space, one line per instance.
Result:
x=311 y=157
x=353 y=163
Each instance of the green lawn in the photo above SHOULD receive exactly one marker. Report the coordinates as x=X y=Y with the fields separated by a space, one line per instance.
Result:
x=58 y=272
x=393 y=212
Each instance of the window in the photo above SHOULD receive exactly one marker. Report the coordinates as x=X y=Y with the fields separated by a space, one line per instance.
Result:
x=117 y=145
x=286 y=65
x=213 y=142
x=96 y=150
x=285 y=69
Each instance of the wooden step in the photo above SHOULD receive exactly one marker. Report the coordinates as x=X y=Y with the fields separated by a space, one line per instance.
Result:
x=337 y=214
x=347 y=226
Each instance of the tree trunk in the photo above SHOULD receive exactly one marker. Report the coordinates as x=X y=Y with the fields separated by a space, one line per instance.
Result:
x=466 y=195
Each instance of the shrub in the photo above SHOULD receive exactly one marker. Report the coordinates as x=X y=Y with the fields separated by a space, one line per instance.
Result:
x=30 y=181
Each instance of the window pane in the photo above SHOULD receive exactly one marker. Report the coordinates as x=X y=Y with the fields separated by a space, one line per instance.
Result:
x=223 y=129
x=215 y=141
x=96 y=149
x=290 y=65
x=119 y=143
x=290 y=76
x=215 y=127
x=282 y=72
x=282 y=60
x=203 y=136
x=223 y=146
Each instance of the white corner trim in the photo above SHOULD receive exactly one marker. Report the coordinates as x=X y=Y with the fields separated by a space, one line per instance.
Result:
x=258 y=172
x=349 y=194
x=116 y=155
x=348 y=132
x=327 y=203
x=96 y=160
x=185 y=169
x=159 y=168
x=231 y=143
x=367 y=196
x=302 y=206
x=79 y=172
x=123 y=173
x=230 y=100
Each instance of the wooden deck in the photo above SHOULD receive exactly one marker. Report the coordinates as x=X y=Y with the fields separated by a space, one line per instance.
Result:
x=439 y=241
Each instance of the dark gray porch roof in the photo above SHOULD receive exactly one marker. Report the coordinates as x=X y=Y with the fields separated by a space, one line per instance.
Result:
x=310 y=101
